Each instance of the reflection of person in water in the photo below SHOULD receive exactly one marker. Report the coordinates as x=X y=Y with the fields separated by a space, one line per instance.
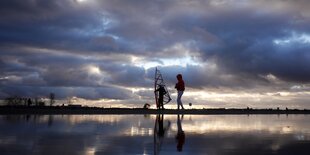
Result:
x=160 y=130
x=180 y=137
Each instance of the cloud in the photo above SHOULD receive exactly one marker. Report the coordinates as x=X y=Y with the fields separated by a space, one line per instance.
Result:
x=217 y=45
x=66 y=92
x=243 y=42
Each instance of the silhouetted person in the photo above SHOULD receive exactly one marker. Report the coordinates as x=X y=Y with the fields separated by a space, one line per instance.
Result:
x=29 y=102
x=161 y=92
x=180 y=137
x=180 y=86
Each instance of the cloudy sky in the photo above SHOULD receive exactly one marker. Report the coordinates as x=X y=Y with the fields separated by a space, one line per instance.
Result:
x=232 y=53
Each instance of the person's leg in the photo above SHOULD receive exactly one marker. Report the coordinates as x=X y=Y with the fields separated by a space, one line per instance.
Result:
x=181 y=104
x=161 y=103
x=180 y=93
x=178 y=101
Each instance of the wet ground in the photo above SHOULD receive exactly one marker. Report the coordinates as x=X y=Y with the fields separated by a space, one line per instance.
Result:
x=154 y=134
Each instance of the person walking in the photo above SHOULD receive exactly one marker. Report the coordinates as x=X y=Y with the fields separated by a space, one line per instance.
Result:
x=180 y=86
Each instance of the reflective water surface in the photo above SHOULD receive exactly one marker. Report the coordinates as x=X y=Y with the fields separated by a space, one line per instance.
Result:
x=154 y=134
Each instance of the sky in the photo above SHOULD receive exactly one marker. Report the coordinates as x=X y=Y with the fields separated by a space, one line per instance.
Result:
x=231 y=53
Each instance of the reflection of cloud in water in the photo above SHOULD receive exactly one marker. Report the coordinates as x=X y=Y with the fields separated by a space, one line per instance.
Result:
x=270 y=123
x=133 y=134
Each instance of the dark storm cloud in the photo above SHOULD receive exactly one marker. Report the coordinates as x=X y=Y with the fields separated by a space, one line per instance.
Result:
x=64 y=92
x=241 y=40
x=57 y=43
x=54 y=24
x=70 y=70
x=247 y=46
x=55 y=70
x=66 y=75
x=126 y=75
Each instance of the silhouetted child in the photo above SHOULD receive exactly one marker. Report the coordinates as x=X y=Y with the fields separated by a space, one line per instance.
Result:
x=161 y=92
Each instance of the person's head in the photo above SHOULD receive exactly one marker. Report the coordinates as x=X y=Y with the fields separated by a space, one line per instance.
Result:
x=179 y=77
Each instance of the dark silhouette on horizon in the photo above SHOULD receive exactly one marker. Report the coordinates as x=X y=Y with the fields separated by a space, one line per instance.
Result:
x=180 y=86
x=23 y=101
x=180 y=137
x=28 y=101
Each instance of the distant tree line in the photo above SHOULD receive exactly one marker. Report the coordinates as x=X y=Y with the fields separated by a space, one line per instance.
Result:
x=27 y=101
